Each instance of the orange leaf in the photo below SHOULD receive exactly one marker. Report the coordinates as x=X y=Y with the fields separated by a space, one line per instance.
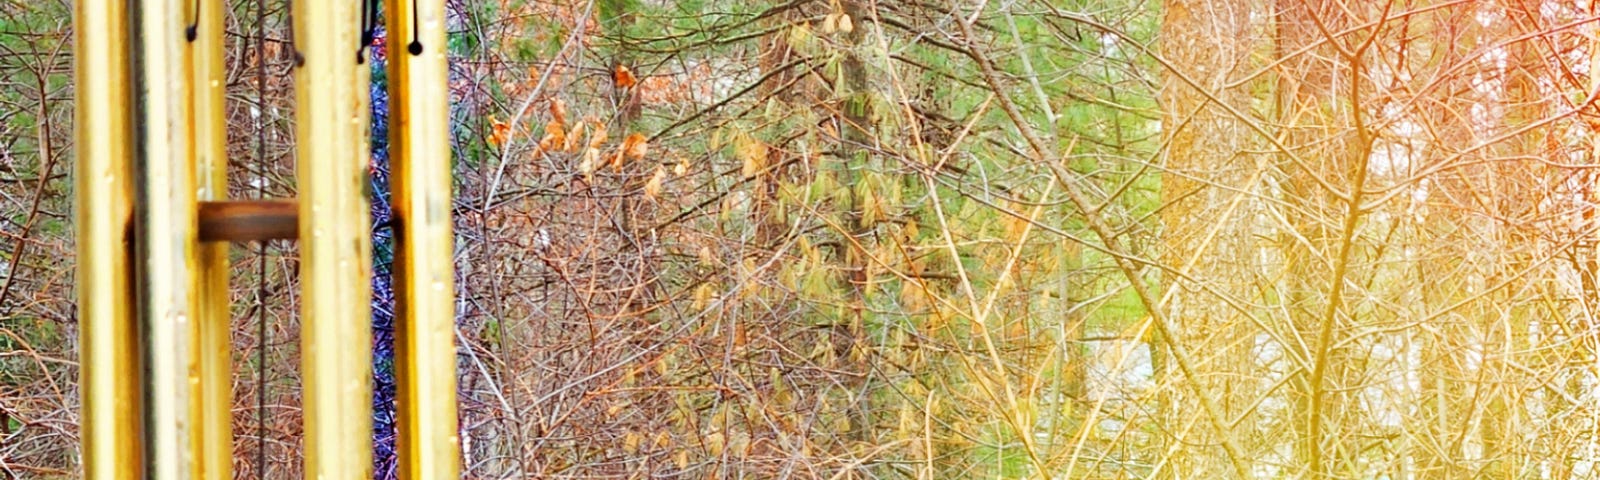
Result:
x=634 y=146
x=616 y=162
x=499 y=132
x=574 y=138
x=555 y=135
x=623 y=77
x=532 y=82
x=558 y=109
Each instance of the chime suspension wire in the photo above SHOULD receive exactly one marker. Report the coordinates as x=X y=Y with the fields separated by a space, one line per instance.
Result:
x=369 y=26
x=261 y=247
x=415 y=48
x=193 y=30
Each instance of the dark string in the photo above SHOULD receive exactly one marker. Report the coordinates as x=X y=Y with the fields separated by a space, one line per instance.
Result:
x=415 y=48
x=193 y=31
x=294 y=45
x=261 y=248
x=369 y=28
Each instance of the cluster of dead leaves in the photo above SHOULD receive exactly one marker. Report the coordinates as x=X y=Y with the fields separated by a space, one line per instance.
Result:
x=634 y=147
x=555 y=132
x=588 y=135
x=556 y=136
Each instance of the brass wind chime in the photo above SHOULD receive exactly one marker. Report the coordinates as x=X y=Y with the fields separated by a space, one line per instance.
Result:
x=154 y=226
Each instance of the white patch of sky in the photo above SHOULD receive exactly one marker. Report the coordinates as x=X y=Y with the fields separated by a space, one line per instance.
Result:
x=1549 y=10
x=1419 y=199
x=1390 y=158
x=1579 y=59
x=1119 y=366
x=1479 y=113
x=1496 y=56
x=1382 y=74
x=1480 y=84
x=1486 y=17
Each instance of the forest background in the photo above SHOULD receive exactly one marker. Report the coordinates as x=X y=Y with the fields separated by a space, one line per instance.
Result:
x=925 y=239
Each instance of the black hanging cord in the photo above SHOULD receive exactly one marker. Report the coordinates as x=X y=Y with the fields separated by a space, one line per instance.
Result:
x=193 y=31
x=415 y=47
x=369 y=28
x=294 y=45
x=261 y=248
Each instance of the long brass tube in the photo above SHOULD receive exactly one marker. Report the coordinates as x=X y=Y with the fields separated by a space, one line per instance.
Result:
x=424 y=271
x=210 y=374
x=108 y=368
x=164 y=226
x=331 y=121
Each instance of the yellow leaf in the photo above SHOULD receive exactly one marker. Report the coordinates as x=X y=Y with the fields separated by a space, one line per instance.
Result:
x=714 y=443
x=652 y=188
x=630 y=442
x=706 y=258
x=664 y=365
x=871 y=207
x=752 y=153
x=591 y=157
x=740 y=444
x=702 y=297
x=599 y=136
x=800 y=35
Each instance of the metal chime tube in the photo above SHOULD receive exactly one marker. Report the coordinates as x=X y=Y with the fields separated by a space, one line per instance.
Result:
x=164 y=229
x=331 y=120
x=109 y=373
x=424 y=274
x=153 y=260
x=211 y=376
